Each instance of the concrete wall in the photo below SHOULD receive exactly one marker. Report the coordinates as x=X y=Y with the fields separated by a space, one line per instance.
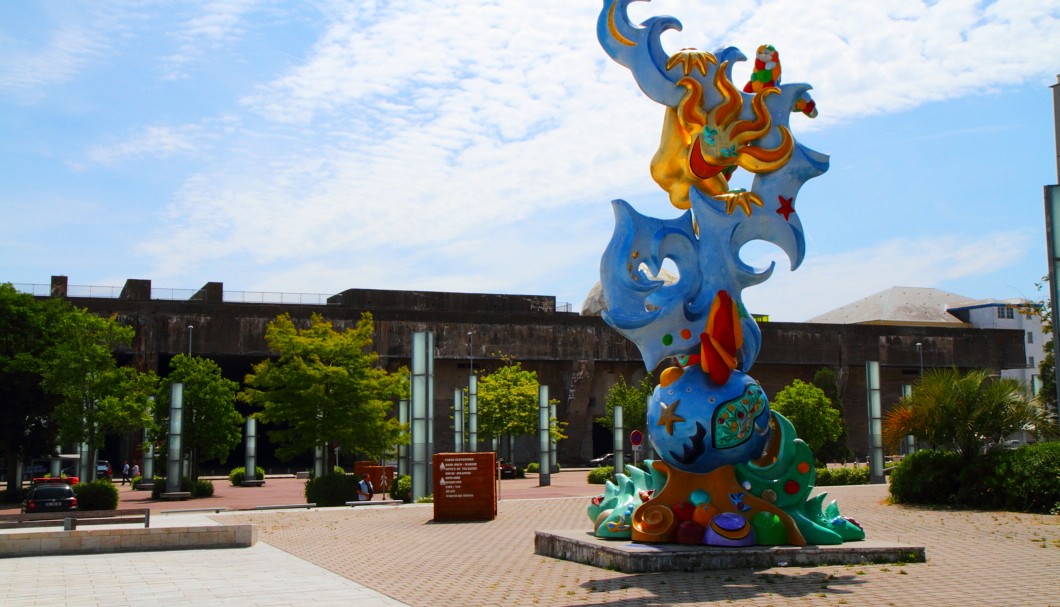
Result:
x=577 y=357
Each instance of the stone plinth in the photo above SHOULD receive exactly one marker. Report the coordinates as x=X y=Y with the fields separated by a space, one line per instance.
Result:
x=623 y=555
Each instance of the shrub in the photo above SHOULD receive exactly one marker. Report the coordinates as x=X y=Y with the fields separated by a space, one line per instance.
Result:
x=533 y=467
x=427 y=499
x=599 y=476
x=401 y=489
x=1030 y=478
x=96 y=495
x=338 y=470
x=858 y=475
x=199 y=487
x=158 y=488
x=331 y=490
x=238 y=475
x=926 y=477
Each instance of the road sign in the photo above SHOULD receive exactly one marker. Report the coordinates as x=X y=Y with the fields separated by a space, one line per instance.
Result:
x=636 y=438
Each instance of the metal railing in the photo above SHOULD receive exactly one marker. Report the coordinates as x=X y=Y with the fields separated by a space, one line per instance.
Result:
x=169 y=294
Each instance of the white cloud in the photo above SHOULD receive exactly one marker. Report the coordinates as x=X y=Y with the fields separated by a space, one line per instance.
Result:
x=25 y=68
x=826 y=282
x=156 y=141
x=413 y=128
x=213 y=26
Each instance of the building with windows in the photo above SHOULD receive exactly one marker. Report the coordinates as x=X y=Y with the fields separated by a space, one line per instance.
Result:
x=577 y=355
x=925 y=307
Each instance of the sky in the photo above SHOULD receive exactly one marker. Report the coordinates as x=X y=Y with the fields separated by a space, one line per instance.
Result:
x=475 y=145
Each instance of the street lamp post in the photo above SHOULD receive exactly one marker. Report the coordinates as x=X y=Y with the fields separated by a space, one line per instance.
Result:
x=190 y=329
x=920 y=354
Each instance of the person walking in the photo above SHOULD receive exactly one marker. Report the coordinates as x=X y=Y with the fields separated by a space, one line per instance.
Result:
x=364 y=489
x=125 y=472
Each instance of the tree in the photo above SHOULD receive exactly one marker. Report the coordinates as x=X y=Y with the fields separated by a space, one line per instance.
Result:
x=834 y=450
x=94 y=393
x=326 y=388
x=809 y=410
x=212 y=426
x=634 y=401
x=1047 y=367
x=508 y=404
x=967 y=412
x=26 y=430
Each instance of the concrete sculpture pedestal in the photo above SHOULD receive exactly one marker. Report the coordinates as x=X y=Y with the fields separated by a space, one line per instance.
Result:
x=581 y=546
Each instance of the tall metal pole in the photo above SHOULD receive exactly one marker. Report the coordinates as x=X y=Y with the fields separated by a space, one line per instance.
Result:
x=190 y=328
x=1052 y=216
x=920 y=353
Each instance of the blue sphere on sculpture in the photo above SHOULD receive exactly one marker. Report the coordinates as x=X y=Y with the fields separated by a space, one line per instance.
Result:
x=698 y=426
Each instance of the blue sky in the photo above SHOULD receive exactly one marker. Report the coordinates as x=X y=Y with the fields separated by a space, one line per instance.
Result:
x=475 y=145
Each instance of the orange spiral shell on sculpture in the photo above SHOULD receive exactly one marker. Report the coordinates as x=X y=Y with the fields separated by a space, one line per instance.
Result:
x=653 y=519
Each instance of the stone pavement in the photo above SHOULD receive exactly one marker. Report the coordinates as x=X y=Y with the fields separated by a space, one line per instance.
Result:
x=392 y=555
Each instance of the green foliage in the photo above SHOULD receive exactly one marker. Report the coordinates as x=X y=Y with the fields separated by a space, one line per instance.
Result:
x=331 y=490
x=968 y=412
x=96 y=495
x=427 y=499
x=857 y=475
x=599 y=476
x=1024 y=480
x=809 y=410
x=95 y=396
x=925 y=477
x=158 y=487
x=25 y=406
x=401 y=489
x=212 y=426
x=199 y=487
x=634 y=401
x=1031 y=477
x=508 y=404
x=834 y=450
x=238 y=475
x=533 y=467
x=326 y=388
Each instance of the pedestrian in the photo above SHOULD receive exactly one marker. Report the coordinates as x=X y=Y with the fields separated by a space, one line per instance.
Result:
x=384 y=484
x=364 y=489
x=125 y=473
x=135 y=470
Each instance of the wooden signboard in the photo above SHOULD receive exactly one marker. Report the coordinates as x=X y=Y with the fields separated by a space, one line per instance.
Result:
x=465 y=486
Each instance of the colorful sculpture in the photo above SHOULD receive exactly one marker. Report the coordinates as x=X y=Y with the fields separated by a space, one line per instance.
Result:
x=732 y=472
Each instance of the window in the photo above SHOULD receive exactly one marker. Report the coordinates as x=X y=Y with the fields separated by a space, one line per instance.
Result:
x=1030 y=362
x=1030 y=337
x=1004 y=312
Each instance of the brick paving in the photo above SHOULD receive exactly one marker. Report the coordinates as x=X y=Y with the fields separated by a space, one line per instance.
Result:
x=974 y=558
x=389 y=555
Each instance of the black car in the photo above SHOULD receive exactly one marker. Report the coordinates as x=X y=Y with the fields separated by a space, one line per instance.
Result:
x=49 y=497
x=507 y=470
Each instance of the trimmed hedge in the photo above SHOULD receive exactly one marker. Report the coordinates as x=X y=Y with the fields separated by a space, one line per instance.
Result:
x=599 y=476
x=100 y=494
x=1024 y=480
x=827 y=477
x=238 y=475
x=332 y=489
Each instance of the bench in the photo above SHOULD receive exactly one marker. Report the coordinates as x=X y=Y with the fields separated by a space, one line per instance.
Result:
x=82 y=517
x=215 y=510
x=375 y=503
x=286 y=506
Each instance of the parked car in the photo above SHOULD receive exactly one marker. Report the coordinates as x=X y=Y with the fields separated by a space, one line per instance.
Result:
x=103 y=469
x=49 y=497
x=606 y=460
x=506 y=469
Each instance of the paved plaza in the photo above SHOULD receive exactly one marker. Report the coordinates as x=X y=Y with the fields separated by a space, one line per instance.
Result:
x=396 y=555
